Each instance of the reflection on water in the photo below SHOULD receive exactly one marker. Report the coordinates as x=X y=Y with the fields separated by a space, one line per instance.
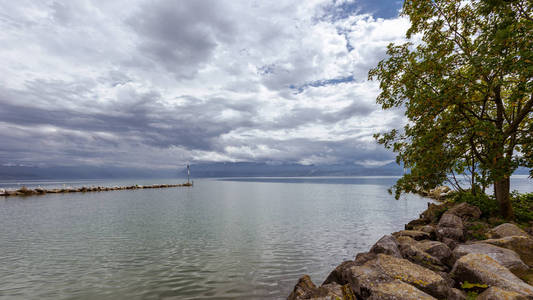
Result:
x=219 y=239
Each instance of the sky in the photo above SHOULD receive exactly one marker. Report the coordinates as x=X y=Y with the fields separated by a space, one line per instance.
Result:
x=138 y=83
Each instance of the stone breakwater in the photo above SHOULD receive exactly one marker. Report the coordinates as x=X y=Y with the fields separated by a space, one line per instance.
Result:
x=41 y=191
x=448 y=253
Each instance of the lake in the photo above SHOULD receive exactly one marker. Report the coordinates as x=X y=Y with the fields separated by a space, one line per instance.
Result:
x=248 y=238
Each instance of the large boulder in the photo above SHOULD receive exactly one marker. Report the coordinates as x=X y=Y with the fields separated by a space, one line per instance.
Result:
x=428 y=229
x=403 y=240
x=414 y=234
x=364 y=278
x=522 y=245
x=415 y=223
x=386 y=245
x=433 y=213
x=386 y=268
x=506 y=229
x=397 y=290
x=481 y=268
x=306 y=289
x=505 y=257
x=436 y=249
x=416 y=255
x=336 y=274
x=363 y=257
x=465 y=211
x=450 y=227
x=495 y=293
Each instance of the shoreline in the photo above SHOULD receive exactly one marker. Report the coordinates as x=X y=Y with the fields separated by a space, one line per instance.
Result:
x=449 y=252
x=23 y=191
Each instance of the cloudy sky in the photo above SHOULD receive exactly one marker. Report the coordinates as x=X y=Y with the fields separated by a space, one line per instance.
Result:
x=147 y=83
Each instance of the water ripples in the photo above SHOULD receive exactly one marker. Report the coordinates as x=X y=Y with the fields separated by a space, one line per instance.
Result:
x=219 y=240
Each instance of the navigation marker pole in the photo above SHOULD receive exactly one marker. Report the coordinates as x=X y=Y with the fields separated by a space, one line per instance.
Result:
x=188 y=174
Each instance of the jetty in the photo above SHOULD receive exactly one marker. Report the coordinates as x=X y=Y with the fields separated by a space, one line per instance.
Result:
x=24 y=191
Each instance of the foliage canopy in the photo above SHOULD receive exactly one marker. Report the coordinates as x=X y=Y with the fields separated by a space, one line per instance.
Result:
x=465 y=78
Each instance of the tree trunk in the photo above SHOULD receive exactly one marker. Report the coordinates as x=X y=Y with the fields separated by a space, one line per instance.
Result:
x=501 y=191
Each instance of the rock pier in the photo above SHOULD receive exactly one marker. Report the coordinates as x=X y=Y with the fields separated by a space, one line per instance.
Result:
x=24 y=191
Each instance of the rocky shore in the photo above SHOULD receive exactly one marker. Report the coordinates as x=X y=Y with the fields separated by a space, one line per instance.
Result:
x=40 y=191
x=448 y=253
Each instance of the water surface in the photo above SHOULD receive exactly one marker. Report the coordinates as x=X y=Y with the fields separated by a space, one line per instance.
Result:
x=221 y=239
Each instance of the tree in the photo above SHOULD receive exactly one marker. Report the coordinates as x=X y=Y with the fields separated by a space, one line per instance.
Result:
x=465 y=79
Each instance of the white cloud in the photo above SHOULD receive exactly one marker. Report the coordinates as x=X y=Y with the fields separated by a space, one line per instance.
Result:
x=199 y=80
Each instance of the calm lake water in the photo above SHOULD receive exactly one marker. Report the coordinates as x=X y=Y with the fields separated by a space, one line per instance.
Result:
x=221 y=239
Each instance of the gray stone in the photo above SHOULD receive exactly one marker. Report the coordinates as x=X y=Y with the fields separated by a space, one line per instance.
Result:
x=306 y=289
x=336 y=274
x=414 y=234
x=403 y=240
x=397 y=290
x=465 y=211
x=450 y=226
x=362 y=258
x=522 y=245
x=410 y=273
x=428 y=229
x=506 y=229
x=481 y=268
x=365 y=277
x=386 y=245
x=495 y=293
x=436 y=249
x=419 y=257
x=505 y=257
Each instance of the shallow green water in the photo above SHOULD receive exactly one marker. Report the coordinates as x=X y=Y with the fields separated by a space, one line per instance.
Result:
x=247 y=239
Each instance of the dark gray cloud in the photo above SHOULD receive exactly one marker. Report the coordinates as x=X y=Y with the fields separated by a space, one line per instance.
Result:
x=181 y=35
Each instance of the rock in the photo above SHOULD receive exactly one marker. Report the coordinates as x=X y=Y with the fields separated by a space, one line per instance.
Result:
x=481 y=268
x=428 y=229
x=450 y=226
x=415 y=234
x=434 y=211
x=364 y=277
x=450 y=242
x=436 y=249
x=495 y=293
x=415 y=223
x=408 y=272
x=386 y=245
x=522 y=245
x=505 y=257
x=306 y=289
x=419 y=257
x=303 y=288
x=336 y=274
x=506 y=229
x=456 y=294
x=397 y=290
x=362 y=258
x=405 y=240
x=465 y=211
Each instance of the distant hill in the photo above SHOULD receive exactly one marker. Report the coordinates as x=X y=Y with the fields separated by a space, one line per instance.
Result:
x=202 y=170
x=247 y=169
